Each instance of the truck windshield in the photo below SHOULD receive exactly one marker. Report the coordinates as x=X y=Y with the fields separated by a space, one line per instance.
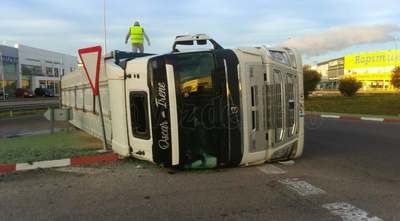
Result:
x=194 y=73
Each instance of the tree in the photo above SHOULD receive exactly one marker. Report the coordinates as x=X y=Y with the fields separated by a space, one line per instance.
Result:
x=348 y=86
x=396 y=77
x=311 y=78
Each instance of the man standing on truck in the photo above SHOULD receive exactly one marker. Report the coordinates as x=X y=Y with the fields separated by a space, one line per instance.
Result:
x=137 y=35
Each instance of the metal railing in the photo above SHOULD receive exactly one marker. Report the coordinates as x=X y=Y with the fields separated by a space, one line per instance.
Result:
x=13 y=106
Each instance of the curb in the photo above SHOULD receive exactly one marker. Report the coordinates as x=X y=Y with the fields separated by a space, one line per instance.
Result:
x=74 y=161
x=355 y=118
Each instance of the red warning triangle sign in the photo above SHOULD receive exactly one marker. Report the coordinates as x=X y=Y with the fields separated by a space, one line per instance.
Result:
x=91 y=58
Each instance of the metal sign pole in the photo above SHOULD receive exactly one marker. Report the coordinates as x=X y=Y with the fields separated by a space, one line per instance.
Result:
x=94 y=80
x=105 y=148
x=2 y=76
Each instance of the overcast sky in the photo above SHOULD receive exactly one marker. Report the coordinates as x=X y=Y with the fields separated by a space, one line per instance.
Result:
x=321 y=29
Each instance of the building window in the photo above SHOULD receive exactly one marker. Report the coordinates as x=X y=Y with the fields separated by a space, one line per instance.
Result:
x=25 y=84
x=9 y=87
x=56 y=72
x=42 y=84
x=31 y=70
x=31 y=59
x=49 y=71
x=10 y=71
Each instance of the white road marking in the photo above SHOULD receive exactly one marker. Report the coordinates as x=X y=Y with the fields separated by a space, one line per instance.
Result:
x=271 y=169
x=82 y=170
x=287 y=162
x=330 y=116
x=372 y=119
x=301 y=187
x=349 y=212
x=43 y=164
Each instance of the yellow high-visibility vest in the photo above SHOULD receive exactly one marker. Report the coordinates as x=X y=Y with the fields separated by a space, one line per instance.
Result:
x=136 y=35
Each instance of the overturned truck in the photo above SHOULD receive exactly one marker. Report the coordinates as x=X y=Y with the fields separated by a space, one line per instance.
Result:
x=191 y=109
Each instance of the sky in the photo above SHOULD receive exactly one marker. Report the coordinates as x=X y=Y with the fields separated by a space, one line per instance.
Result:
x=320 y=29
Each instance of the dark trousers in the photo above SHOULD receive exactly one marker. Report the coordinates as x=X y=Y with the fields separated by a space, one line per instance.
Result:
x=137 y=48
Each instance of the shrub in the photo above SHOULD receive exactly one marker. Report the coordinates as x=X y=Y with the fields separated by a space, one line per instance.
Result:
x=348 y=86
x=396 y=77
x=311 y=78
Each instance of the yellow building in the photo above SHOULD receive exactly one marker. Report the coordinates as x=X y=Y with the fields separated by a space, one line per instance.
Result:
x=373 y=69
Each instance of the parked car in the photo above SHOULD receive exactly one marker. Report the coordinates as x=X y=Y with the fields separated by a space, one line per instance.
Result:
x=40 y=92
x=49 y=93
x=23 y=92
x=2 y=95
x=44 y=92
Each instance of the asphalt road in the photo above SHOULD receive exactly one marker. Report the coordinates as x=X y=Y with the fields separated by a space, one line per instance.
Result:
x=349 y=171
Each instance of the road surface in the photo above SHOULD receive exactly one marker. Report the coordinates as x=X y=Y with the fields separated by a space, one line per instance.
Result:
x=350 y=171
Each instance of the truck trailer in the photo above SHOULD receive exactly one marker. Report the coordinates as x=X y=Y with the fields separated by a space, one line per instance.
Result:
x=196 y=108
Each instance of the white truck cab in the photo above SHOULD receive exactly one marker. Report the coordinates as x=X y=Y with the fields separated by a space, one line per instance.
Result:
x=206 y=108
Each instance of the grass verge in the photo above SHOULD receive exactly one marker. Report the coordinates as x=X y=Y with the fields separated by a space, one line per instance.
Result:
x=47 y=147
x=377 y=104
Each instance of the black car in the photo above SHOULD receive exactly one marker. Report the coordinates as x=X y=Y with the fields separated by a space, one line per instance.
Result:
x=44 y=92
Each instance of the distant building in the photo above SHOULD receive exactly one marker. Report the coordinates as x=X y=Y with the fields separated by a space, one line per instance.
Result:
x=28 y=67
x=373 y=69
x=331 y=71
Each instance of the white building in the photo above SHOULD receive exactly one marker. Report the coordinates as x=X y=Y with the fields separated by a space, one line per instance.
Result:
x=34 y=67
x=42 y=68
x=330 y=73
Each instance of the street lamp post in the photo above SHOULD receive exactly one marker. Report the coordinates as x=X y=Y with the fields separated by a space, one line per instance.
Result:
x=54 y=81
x=59 y=80
x=2 y=77
x=105 y=27
x=105 y=71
